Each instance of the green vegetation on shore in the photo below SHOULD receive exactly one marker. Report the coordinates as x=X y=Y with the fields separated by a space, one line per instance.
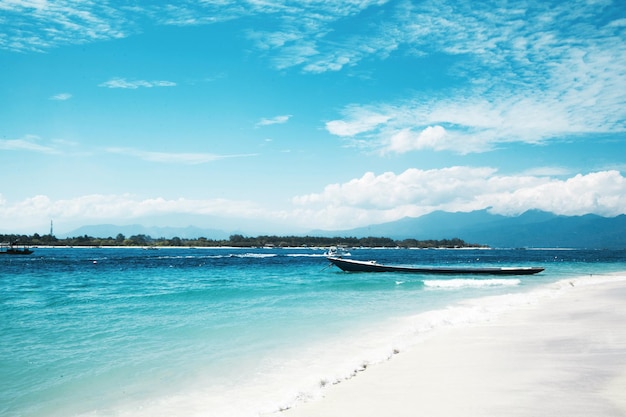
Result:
x=235 y=241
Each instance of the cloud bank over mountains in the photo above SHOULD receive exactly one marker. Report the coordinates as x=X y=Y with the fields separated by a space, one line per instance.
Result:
x=371 y=199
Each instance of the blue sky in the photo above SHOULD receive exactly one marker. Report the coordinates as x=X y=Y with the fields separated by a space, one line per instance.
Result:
x=288 y=116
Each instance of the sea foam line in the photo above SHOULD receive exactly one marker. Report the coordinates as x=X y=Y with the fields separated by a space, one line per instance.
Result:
x=471 y=283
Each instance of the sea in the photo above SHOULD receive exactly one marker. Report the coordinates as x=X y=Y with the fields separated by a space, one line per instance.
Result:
x=235 y=332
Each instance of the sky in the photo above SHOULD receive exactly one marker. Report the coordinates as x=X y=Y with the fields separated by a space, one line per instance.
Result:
x=290 y=116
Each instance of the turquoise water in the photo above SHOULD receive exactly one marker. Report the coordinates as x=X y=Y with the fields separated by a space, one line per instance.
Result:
x=225 y=332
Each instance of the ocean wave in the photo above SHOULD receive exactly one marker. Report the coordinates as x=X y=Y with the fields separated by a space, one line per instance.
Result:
x=253 y=255
x=469 y=283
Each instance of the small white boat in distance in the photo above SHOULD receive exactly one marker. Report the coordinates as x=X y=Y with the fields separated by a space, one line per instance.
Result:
x=337 y=252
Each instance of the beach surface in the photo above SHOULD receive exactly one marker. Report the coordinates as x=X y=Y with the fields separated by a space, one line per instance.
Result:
x=562 y=354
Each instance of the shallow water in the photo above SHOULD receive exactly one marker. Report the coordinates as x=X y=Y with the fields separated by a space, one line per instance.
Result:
x=225 y=332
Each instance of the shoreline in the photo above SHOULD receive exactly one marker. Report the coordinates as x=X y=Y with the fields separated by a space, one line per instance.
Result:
x=563 y=352
x=267 y=247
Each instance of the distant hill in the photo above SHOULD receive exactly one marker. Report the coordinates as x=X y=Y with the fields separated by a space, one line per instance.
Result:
x=531 y=229
x=111 y=230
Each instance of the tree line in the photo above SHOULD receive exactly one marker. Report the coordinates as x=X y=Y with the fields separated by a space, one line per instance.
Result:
x=235 y=240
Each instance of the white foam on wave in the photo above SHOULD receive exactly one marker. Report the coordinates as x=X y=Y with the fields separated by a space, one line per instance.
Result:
x=470 y=283
x=254 y=255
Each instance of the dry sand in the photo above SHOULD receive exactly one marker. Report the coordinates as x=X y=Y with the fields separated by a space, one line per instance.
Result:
x=564 y=355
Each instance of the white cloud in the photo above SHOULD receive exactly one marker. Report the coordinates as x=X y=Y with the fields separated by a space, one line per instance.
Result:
x=274 y=120
x=387 y=191
x=61 y=97
x=359 y=120
x=479 y=124
x=306 y=35
x=123 y=83
x=602 y=193
x=362 y=201
x=547 y=171
x=389 y=196
x=37 y=211
x=189 y=158
x=39 y=25
x=529 y=74
x=618 y=23
x=405 y=140
x=267 y=41
x=294 y=54
x=28 y=143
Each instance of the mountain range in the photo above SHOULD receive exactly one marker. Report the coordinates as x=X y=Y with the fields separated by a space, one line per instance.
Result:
x=532 y=229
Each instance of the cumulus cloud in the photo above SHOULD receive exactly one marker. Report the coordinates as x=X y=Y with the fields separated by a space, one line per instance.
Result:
x=362 y=201
x=406 y=140
x=389 y=196
x=602 y=193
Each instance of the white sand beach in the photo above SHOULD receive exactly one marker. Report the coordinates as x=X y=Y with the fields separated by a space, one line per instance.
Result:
x=563 y=355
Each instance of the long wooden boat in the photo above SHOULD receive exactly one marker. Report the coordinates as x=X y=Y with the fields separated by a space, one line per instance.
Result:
x=351 y=265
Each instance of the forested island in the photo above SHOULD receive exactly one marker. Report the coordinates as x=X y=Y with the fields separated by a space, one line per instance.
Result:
x=234 y=241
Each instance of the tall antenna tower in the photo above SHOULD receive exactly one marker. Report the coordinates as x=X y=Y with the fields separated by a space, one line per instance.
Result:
x=51 y=230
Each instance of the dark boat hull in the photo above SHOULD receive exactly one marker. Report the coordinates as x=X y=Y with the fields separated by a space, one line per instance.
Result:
x=17 y=252
x=372 y=266
x=12 y=249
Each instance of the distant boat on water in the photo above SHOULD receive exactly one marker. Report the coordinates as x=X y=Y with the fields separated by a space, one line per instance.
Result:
x=337 y=252
x=14 y=249
x=350 y=265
